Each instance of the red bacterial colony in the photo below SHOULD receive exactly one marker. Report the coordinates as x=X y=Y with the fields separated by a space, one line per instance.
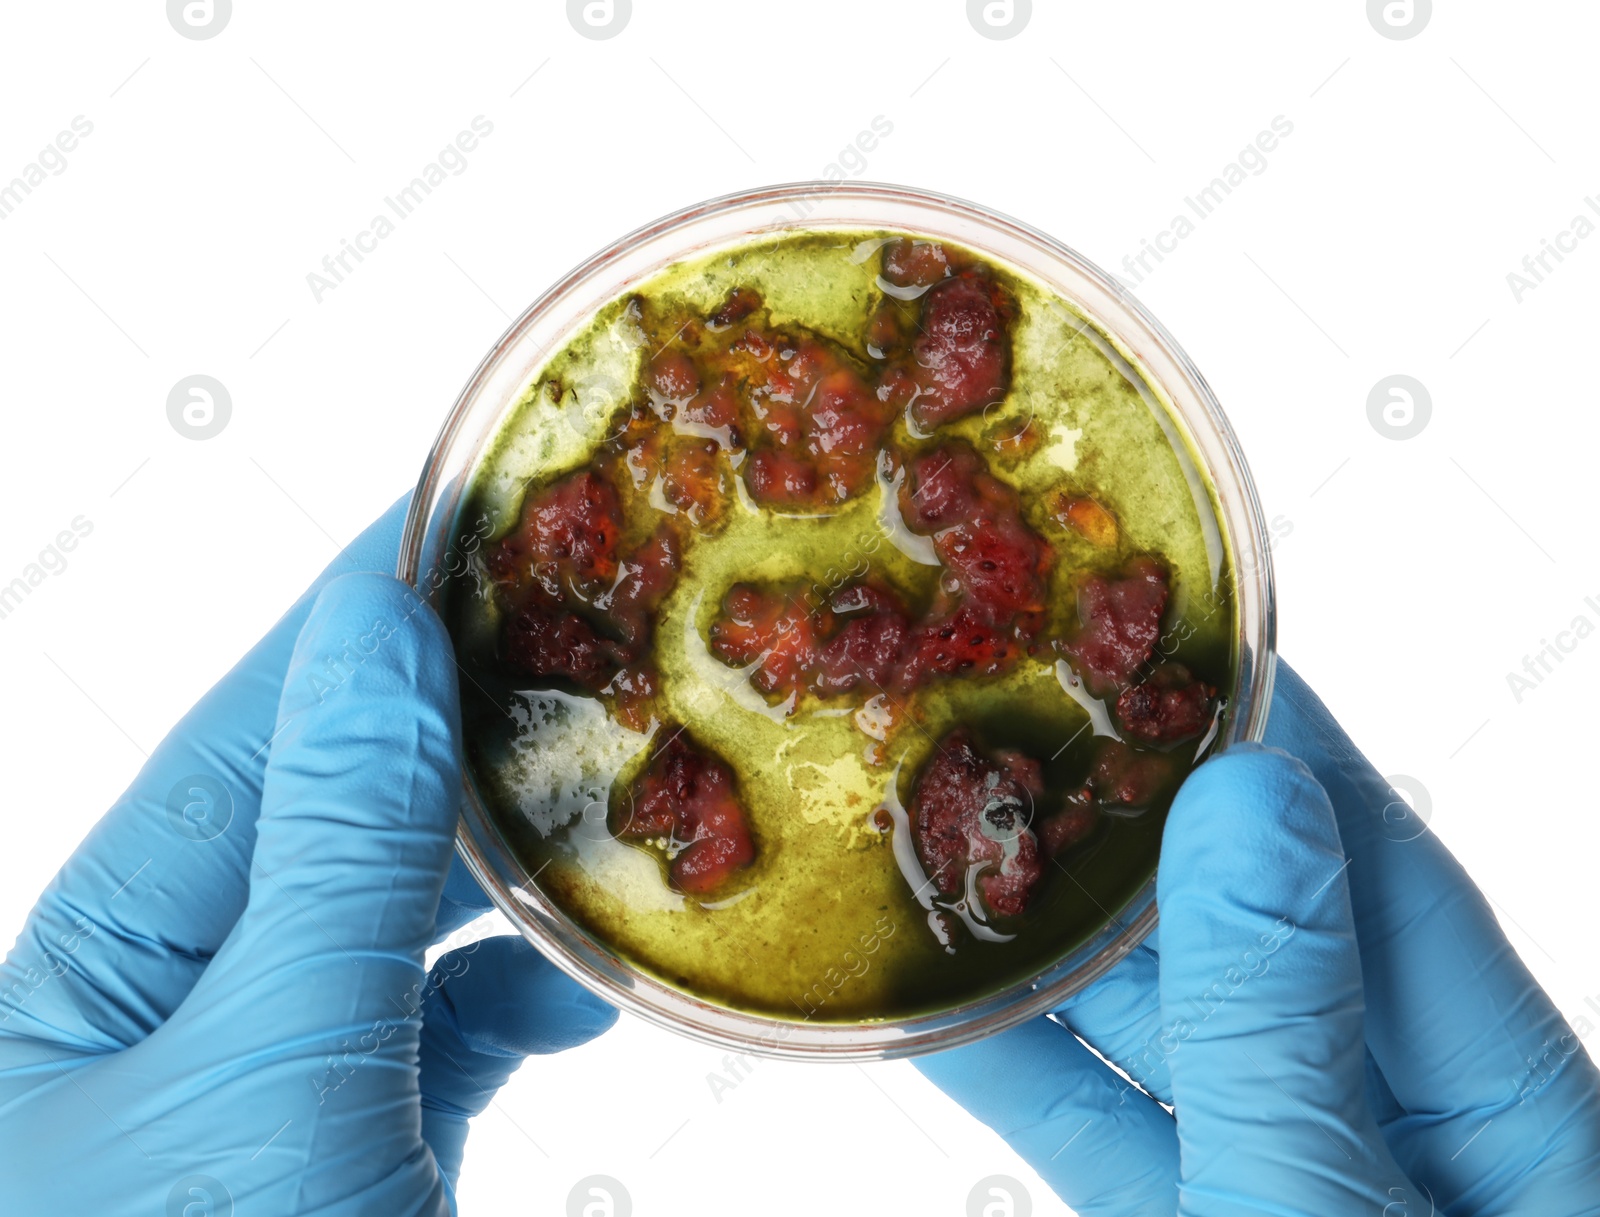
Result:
x=732 y=413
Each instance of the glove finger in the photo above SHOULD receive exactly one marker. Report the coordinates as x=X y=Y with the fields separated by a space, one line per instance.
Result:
x=485 y=1007
x=1120 y=1016
x=1102 y=1145
x=1261 y=992
x=357 y=819
x=1498 y=1066
x=146 y=900
x=296 y=1050
x=461 y=901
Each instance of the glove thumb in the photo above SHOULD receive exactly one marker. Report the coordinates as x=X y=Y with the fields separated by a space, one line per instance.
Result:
x=487 y=1007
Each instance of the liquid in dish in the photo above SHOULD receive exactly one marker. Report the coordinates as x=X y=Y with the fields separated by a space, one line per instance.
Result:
x=849 y=612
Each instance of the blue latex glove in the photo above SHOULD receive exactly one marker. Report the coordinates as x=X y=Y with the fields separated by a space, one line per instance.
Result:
x=220 y=999
x=1332 y=1013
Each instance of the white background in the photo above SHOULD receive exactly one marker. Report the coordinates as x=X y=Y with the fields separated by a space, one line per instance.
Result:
x=1414 y=576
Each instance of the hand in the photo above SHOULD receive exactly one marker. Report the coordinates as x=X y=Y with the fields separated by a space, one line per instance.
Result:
x=224 y=984
x=1333 y=1014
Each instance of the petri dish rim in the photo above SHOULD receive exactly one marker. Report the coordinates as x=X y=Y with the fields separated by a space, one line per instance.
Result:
x=430 y=541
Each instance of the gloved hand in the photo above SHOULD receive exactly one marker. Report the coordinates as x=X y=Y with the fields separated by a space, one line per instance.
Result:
x=219 y=1003
x=1332 y=1013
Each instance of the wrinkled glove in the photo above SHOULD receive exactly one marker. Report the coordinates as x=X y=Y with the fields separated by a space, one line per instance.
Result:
x=1332 y=1015
x=219 y=1003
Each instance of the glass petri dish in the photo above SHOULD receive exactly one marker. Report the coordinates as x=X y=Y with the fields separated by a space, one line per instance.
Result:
x=437 y=543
